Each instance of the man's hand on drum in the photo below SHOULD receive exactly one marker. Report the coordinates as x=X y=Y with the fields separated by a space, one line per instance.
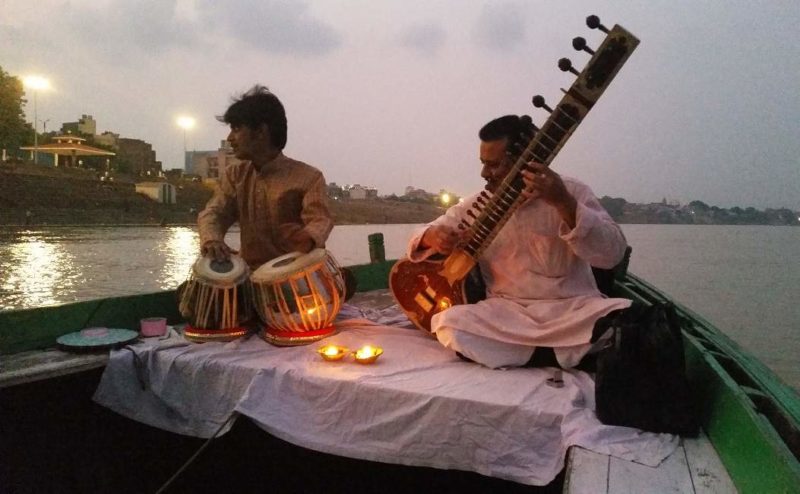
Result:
x=441 y=238
x=295 y=238
x=218 y=250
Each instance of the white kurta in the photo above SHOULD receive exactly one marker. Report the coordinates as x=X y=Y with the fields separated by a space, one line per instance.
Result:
x=540 y=287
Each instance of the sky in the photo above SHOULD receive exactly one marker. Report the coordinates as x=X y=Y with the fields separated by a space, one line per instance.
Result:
x=391 y=93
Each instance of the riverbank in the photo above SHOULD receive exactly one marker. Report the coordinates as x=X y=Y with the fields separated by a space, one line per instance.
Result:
x=33 y=195
x=344 y=212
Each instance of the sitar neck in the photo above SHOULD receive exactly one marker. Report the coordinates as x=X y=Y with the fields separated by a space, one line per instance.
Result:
x=546 y=142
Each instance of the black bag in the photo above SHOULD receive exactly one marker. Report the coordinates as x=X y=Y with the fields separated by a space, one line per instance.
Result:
x=641 y=377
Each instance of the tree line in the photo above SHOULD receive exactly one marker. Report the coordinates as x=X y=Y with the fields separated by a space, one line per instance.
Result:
x=695 y=213
x=15 y=132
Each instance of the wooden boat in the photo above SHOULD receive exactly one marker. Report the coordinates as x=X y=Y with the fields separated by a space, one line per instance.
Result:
x=55 y=439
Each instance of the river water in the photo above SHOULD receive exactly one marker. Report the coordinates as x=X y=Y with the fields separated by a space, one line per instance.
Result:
x=743 y=279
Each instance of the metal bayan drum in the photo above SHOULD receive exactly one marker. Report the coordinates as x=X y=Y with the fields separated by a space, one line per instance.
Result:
x=297 y=297
x=216 y=300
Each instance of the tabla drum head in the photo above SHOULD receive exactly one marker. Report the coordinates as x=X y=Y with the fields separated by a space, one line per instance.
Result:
x=287 y=264
x=225 y=272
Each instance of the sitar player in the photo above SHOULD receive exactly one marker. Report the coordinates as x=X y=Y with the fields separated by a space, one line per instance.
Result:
x=543 y=307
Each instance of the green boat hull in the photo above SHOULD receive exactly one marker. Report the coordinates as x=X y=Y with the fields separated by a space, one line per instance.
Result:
x=750 y=416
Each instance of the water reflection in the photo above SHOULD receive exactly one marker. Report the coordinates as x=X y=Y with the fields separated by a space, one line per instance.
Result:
x=40 y=270
x=178 y=250
x=58 y=265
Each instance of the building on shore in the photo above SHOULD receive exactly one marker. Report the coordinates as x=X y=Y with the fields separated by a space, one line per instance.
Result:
x=107 y=138
x=415 y=194
x=85 y=126
x=211 y=164
x=162 y=192
x=133 y=156
x=71 y=149
x=137 y=157
x=360 y=192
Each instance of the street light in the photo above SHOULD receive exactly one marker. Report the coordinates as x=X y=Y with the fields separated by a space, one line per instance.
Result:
x=186 y=123
x=35 y=83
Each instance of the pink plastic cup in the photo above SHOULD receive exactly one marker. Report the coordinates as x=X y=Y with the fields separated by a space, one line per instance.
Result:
x=153 y=326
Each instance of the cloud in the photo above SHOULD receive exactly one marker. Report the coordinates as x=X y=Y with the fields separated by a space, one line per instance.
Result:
x=280 y=26
x=119 y=29
x=426 y=38
x=500 y=26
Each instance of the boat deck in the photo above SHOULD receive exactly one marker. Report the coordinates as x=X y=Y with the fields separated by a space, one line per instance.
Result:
x=694 y=467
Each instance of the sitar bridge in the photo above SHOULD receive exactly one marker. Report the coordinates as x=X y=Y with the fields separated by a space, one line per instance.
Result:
x=428 y=302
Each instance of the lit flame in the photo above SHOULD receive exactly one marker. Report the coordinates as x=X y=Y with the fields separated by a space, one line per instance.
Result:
x=444 y=303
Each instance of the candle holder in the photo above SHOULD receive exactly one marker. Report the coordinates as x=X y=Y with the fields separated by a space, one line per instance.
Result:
x=367 y=354
x=332 y=353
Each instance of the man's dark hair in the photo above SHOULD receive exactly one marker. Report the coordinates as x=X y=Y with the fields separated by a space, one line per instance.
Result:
x=255 y=107
x=518 y=130
x=506 y=126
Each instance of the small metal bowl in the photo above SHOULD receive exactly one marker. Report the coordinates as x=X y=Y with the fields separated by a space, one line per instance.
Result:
x=332 y=353
x=367 y=354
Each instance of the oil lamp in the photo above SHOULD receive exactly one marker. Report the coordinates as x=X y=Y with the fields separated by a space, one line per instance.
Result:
x=367 y=354
x=332 y=353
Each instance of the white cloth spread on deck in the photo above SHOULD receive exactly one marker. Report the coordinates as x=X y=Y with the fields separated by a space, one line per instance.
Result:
x=417 y=405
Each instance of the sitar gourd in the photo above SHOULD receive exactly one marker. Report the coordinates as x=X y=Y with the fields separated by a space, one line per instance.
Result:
x=425 y=288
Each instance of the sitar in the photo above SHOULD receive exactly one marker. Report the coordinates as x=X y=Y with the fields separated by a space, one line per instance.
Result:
x=423 y=289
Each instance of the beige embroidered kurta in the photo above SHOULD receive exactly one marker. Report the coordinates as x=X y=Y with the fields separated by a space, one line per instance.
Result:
x=284 y=191
x=540 y=287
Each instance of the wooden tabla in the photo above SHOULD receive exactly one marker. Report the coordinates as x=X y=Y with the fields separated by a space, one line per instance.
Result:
x=297 y=297
x=216 y=300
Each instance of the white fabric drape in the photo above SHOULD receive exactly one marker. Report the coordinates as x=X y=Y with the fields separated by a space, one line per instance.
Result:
x=417 y=405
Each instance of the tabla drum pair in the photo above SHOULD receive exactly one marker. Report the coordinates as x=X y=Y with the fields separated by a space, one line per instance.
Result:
x=297 y=296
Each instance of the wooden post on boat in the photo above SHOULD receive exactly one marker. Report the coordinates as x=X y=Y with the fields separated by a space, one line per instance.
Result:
x=377 y=253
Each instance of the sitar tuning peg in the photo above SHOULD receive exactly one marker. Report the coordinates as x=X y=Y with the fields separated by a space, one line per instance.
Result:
x=580 y=45
x=566 y=66
x=594 y=23
x=538 y=102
